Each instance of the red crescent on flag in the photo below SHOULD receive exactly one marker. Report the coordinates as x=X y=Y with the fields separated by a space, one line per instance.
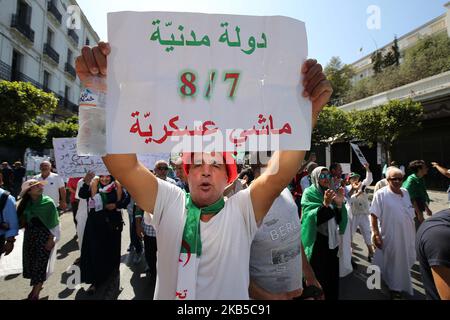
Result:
x=185 y=245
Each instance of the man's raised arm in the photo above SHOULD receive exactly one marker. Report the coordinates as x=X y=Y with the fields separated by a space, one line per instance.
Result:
x=284 y=164
x=138 y=180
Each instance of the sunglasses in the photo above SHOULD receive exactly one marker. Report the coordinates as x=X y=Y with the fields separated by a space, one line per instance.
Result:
x=162 y=168
x=396 y=179
x=325 y=176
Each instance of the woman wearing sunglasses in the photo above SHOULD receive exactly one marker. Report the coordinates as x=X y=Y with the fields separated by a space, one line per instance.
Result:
x=323 y=217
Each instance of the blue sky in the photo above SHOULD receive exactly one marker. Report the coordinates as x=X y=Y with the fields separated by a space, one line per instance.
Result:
x=335 y=28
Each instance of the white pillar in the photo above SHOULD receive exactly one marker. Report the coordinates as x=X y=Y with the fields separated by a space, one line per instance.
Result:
x=447 y=5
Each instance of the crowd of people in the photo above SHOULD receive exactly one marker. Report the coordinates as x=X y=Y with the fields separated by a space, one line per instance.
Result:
x=276 y=230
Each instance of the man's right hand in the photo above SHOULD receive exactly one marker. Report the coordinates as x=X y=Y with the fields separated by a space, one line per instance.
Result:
x=92 y=61
x=88 y=177
x=377 y=241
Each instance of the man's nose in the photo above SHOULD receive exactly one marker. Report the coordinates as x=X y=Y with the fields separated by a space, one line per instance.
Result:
x=206 y=170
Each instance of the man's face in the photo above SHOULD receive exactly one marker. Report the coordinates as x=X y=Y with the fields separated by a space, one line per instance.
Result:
x=207 y=178
x=45 y=167
x=161 y=170
x=337 y=172
x=180 y=172
x=395 y=180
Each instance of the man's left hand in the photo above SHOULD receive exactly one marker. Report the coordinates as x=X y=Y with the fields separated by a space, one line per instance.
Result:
x=316 y=86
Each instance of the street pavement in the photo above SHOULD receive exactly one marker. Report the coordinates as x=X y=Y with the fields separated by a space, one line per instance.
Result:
x=134 y=284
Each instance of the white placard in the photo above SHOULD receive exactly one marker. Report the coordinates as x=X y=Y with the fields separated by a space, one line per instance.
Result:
x=69 y=164
x=359 y=154
x=346 y=168
x=203 y=82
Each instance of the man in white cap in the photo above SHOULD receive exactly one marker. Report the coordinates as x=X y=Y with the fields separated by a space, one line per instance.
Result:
x=55 y=187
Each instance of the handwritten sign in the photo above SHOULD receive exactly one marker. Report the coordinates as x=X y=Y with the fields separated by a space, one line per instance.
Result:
x=202 y=82
x=69 y=164
x=359 y=154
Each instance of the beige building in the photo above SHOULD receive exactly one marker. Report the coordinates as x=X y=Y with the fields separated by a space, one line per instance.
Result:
x=364 y=68
x=39 y=41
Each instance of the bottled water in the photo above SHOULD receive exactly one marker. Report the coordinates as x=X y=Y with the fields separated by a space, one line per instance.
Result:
x=91 y=139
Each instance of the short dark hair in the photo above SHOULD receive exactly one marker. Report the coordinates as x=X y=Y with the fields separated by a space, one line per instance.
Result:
x=416 y=165
x=334 y=166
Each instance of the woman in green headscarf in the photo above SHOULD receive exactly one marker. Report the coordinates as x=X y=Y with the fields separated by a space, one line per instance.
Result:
x=322 y=212
x=39 y=216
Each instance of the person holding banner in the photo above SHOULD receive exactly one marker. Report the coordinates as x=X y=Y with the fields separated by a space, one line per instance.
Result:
x=359 y=206
x=213 y=263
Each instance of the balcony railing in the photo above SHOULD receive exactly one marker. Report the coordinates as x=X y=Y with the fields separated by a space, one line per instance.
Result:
x=22 y=27
x=19 y=76
x=69 y=69
x=54 y=10
x=73 y=35
x=48 y=50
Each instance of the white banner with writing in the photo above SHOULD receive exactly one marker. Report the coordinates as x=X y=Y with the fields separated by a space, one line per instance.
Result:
x=69 y=164
x=203 y=82
x=359 y=154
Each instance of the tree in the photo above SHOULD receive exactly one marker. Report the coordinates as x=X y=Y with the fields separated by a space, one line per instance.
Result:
x=377 y=61
x=340 y=77
x=332 y=125
x=387 y=123
x=32 y=136
x=428 y=57
x=64 y=129
x=392 y=57
x=21 y=103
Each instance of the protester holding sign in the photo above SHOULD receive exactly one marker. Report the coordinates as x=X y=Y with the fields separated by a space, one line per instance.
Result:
x=193 y=265
x=359 y=206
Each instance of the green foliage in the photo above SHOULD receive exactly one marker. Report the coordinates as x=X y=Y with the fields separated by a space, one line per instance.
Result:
x=386 y=123
x=333 y=124
x=428 y=57
x=20 y=104
x=32 y=136
x=340 y=77
x=64 y=129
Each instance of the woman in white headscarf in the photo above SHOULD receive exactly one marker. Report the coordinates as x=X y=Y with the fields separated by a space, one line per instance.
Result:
x=322 y=212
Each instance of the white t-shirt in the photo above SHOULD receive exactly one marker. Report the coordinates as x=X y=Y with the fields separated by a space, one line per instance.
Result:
x=223 y=271
x=276 y=259
x=51 y=189
x=305 y=183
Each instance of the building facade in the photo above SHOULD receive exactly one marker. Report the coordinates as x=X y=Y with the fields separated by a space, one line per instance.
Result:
x=432 y=141
x=39 y=41
x=364 y=67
